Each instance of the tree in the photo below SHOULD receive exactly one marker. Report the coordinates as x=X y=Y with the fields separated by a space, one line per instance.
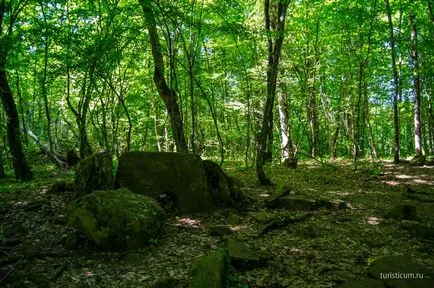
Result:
x=396 y=84
x=12 y=12
x=416 y=85
x=275 y=16
x=167 y=93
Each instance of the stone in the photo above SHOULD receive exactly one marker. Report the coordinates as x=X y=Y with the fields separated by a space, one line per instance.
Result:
x=179 y=176
x=94 y=173
x=363 y=283
x=225 y=190
x=116 y=219
x=393 y=271
x=209 y=271
x=402 y=212
x=242 y=256
x=219 y=230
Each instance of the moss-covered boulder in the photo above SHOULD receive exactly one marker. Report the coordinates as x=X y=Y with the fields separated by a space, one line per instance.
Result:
x=116 y=219
x=179 y=176
x=401 y=272
x=209 y=271
x=225 y=190
x=94 y=173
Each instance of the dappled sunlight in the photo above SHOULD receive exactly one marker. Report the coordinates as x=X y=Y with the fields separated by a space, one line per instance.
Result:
x=373 y=220
x=339 y=193
x=238 y=227
x=392 y=183
x=403 y=176
x=188 y=222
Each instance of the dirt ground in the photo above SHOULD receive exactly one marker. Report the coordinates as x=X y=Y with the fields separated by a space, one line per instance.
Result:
x=322 y=251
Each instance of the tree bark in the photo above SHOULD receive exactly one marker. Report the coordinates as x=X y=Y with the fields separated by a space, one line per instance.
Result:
x=21 y=168
x=286 y=146
x=416 y=86
x=168 y=95
x=396 y=86
x=274 y=51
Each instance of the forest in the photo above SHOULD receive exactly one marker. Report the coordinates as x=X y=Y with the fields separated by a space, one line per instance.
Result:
x=216 y=143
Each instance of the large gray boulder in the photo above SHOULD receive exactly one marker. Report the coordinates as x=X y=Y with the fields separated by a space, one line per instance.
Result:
x=116 y=219
x=179 y=176
x=94 y=173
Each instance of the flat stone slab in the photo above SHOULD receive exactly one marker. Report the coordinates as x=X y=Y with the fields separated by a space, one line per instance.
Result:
x=209 y=271
x=177 y=175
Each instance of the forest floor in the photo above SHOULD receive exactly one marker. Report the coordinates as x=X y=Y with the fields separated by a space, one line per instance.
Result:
x=321 y=251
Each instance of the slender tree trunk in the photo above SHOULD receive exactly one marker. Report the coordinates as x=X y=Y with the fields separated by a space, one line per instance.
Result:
x=167 y=94
x=44 y=80
x=396 y=86
x=276 y=24
x=416 y=87
x=2 y=168
x=21 y=168
x=286 y=146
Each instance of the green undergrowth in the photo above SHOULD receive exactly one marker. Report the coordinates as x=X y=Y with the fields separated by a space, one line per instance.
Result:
x=321 y=251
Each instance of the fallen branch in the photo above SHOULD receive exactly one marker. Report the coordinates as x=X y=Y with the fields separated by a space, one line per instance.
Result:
x=47 y=151
x=279 y=223
x=10 y=270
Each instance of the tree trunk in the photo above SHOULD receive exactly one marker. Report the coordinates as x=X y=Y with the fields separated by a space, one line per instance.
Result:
x=416 y=87
x=396 y=85
x=2 y=167
x=277 y=26
x=286 y=147
x=21 y=168
x=167 y=94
